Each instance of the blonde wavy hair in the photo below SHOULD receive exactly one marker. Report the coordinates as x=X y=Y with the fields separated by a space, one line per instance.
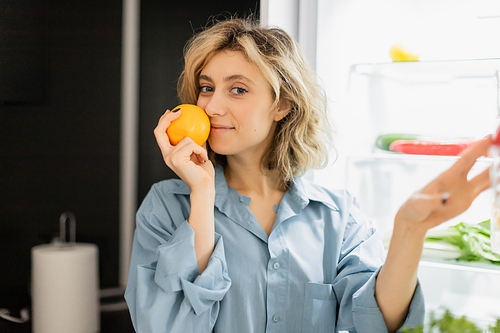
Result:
x=302 y=137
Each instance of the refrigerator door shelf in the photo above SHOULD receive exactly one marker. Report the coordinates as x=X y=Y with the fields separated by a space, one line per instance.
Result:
x=382 y=182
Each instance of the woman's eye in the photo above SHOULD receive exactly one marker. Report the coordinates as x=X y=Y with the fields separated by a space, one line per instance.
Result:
x=238 y=91
x=205 y=89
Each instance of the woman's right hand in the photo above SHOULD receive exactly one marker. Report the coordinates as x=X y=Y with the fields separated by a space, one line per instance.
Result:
x=187 y=159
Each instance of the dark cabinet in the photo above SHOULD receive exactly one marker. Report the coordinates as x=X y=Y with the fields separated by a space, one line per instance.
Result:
x=60 y=150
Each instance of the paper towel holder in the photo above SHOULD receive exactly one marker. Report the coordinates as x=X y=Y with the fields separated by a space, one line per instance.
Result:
x=67 y=217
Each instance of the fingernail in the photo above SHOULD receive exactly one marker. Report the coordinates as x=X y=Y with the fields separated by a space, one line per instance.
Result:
x=445 y=197
x=175 y=110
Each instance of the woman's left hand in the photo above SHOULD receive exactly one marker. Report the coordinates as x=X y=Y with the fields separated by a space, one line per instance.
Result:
x=445 y=197
x=448 y=195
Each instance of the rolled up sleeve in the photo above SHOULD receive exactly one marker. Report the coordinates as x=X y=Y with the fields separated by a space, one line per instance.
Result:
x=172 y=275
x=165 y=292
x=362 y=258
x=366 y=313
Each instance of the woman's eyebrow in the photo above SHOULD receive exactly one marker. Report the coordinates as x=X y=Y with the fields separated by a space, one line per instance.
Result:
x=206 y=78
x=238 y=77
x=228 y=78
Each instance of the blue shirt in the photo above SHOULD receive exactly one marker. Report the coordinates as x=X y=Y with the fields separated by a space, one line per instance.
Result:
x=315 y=272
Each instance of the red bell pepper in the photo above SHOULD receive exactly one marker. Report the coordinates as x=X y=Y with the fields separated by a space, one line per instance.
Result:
x=420 y=147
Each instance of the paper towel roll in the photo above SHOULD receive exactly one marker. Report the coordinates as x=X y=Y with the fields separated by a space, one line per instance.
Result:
x=65 y=288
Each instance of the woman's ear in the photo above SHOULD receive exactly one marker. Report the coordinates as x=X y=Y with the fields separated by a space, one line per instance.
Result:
x=283 y=109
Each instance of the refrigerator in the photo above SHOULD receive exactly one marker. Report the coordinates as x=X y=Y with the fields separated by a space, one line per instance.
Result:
x=347 y=43
x=435 y=99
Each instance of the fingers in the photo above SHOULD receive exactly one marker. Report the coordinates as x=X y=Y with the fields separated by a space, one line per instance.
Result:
x=480 y=182
x=184 y=151
x=451 y=193
x=205 y=158
x=189 y=147
x=469 y=156
x=167 y=118
x=184 y=154
x=160 y=131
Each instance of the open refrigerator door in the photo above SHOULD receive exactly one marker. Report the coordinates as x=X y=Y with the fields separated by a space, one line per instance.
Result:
x=413 y=103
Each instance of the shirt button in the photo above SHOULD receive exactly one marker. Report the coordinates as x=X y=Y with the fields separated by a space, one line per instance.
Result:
x=276 y=266
x=276 y=318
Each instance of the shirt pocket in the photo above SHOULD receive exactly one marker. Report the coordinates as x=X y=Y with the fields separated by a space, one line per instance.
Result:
x=320 y=308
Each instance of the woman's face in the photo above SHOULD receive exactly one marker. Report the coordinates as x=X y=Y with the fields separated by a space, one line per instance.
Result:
x=238 y=100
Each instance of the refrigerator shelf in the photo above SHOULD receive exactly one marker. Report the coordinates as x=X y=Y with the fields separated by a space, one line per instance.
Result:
x=466 y=289
x=442 y=71
x=382 y=182
x=475 y=267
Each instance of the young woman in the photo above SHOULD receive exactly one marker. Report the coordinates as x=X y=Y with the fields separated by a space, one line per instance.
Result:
x=242 y=243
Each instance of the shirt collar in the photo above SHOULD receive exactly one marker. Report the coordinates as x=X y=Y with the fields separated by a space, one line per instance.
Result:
x=301 y=191
x=181 y=188
x=221 y=187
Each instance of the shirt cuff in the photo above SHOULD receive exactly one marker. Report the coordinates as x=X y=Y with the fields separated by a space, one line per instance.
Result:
x=366 y=313
x=177 y=269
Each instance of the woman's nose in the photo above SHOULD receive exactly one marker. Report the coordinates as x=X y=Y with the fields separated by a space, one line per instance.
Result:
x=215 y=106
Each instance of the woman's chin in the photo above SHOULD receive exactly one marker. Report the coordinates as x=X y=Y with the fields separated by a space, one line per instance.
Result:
x=218 y=147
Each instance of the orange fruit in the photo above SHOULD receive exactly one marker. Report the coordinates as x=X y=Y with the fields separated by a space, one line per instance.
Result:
x=193 y=123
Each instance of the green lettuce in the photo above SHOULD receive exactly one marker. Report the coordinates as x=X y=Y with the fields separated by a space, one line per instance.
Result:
x=473 y=241
x=448 y=323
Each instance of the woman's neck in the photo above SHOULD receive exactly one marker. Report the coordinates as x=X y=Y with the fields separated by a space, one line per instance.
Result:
x=248 y=178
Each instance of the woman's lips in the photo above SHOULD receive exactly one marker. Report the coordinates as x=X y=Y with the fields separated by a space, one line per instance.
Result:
x=219 y=129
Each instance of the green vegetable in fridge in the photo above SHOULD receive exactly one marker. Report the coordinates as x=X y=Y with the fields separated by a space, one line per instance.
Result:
x=473 y=241
x=495 y=328
x=384 y=141
x=448 y=323
x=418 y=329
